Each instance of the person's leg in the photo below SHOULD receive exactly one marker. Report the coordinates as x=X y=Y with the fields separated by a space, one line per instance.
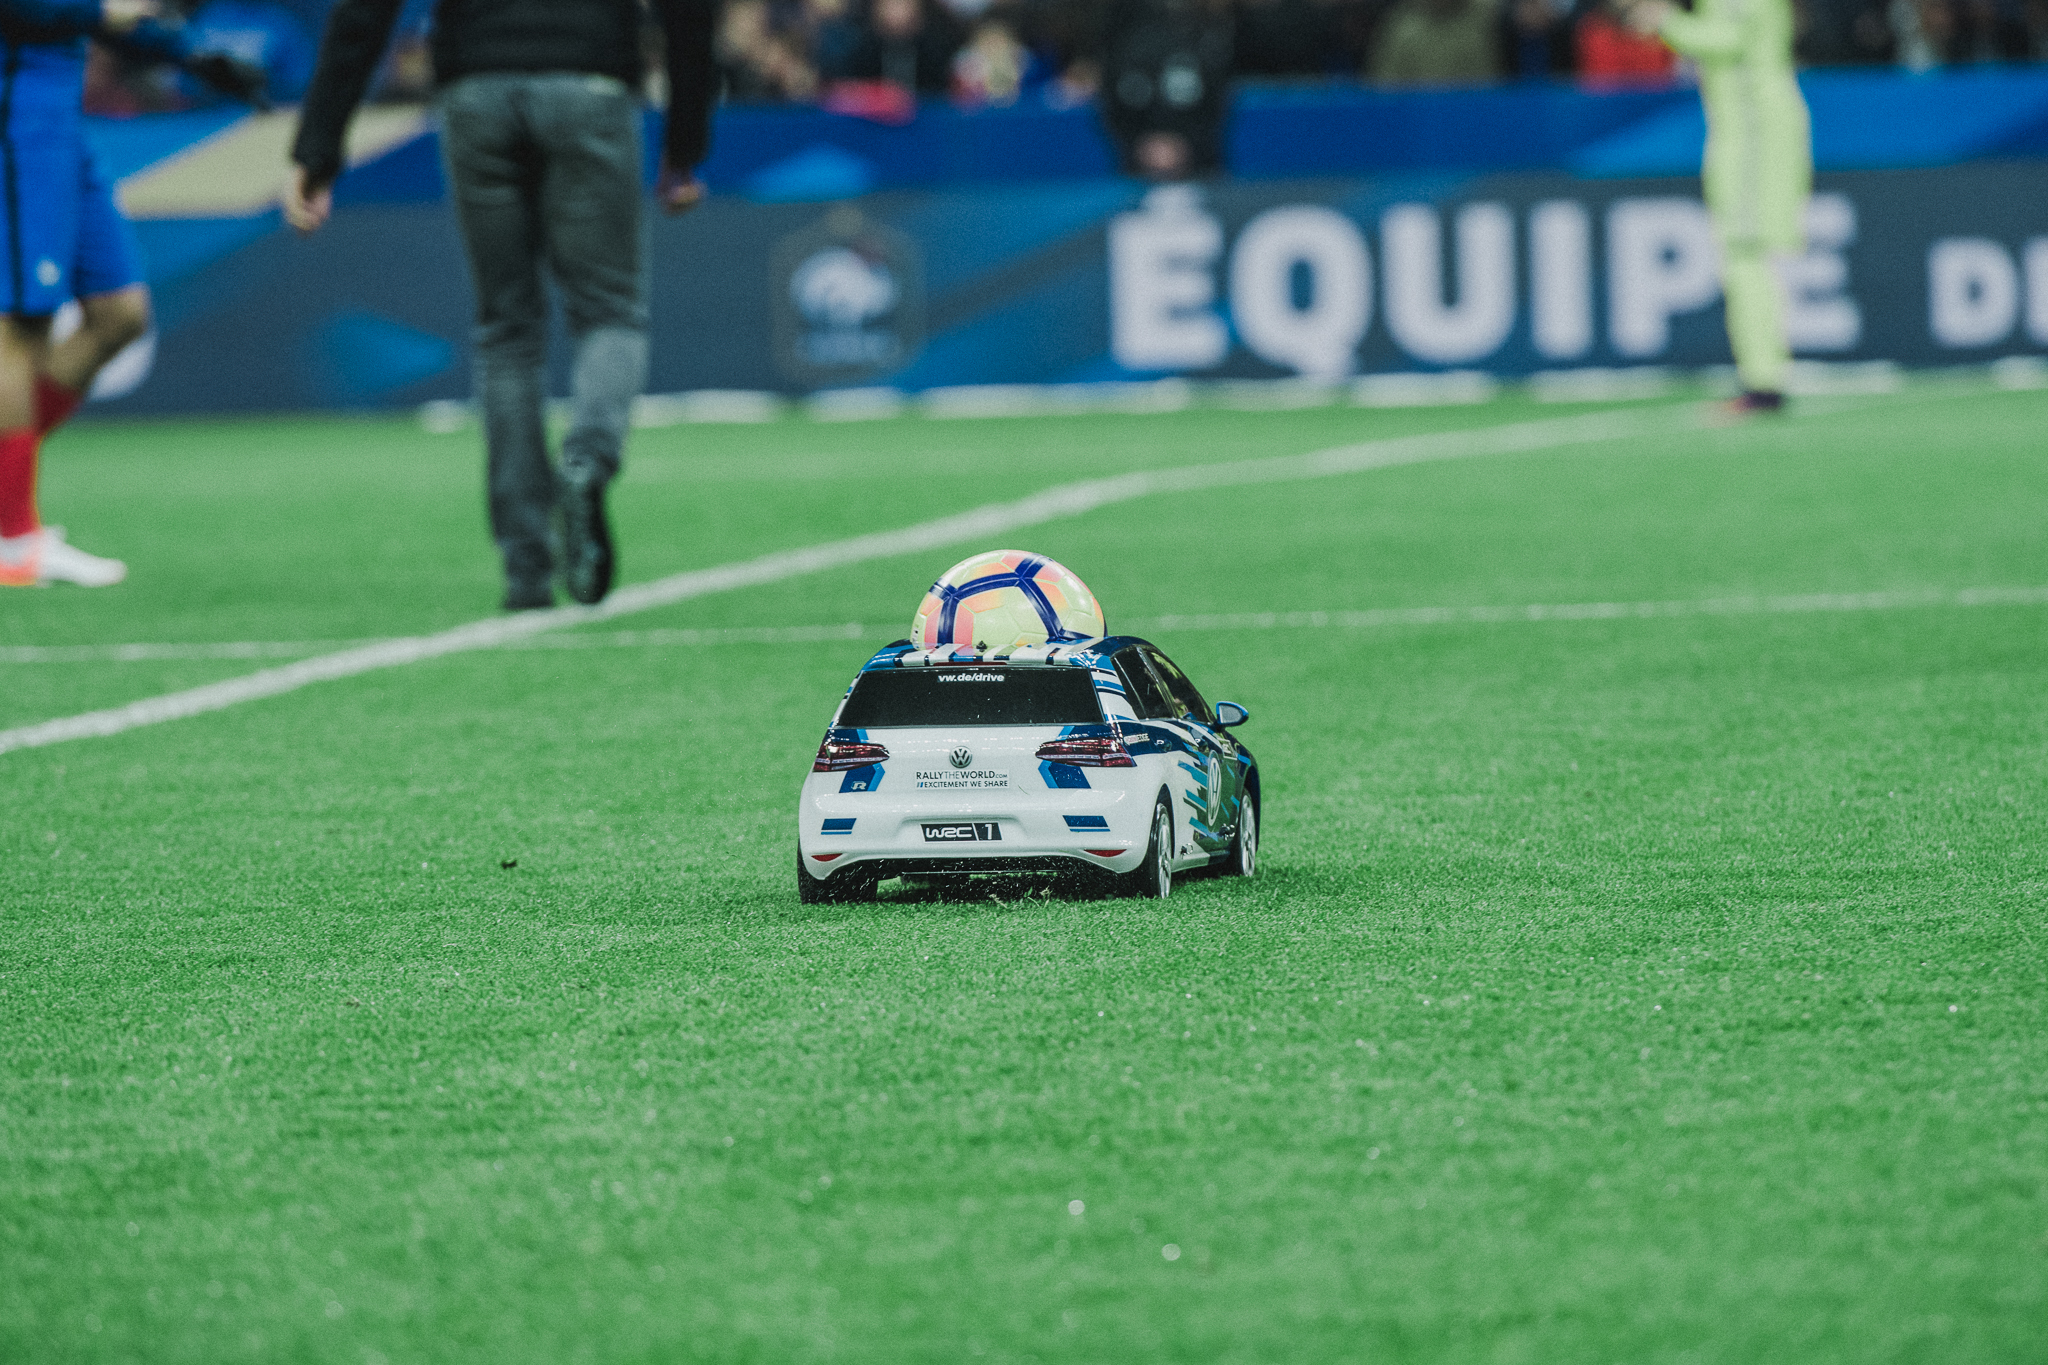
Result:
x=105 y=276
x=589 y=129
x=24 y=349
x=30 y=552
x=494 y=180
x=1756 y=321
x=1735 y=176
x=109 y=324
x=23 y=344
x=37 y=236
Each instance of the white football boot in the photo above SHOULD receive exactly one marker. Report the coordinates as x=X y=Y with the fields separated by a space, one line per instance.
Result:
x=43 y=556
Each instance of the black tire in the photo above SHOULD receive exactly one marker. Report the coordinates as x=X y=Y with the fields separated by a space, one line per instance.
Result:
x=848 y=886
x=1152 y=879
x=1244 y=846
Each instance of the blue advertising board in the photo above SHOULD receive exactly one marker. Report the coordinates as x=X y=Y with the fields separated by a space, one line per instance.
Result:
x=1108 y=280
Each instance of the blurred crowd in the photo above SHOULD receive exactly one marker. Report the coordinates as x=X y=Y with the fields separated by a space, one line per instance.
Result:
x=875 y=57
x=997 y=51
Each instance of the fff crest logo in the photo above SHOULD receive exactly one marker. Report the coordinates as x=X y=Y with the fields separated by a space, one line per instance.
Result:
x=848 y=300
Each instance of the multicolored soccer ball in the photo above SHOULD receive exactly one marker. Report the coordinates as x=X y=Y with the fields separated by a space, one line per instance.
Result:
x=1001 y=599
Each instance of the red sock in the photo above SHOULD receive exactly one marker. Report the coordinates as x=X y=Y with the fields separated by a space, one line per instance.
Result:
x=54 y=403
x=18 y=481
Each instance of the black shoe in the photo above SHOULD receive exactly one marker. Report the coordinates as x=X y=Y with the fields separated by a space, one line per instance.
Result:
x=587 y=537
x=529 y=596
x=1757 y=400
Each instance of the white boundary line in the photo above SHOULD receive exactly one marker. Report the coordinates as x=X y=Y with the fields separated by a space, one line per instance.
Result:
x=1370 y=618
x=981 y=523
x=134 y=654
x=1787 y=604
x=299 y=649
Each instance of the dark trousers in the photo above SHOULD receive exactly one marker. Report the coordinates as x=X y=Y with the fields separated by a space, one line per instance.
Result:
x=544 y=171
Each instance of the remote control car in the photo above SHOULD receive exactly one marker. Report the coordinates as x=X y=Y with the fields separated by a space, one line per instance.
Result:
x=1093 y=761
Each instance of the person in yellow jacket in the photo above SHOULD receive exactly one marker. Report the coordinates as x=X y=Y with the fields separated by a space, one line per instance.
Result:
x=1758 y=171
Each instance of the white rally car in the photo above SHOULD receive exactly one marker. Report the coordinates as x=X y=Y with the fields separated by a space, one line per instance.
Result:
x=1098 y=758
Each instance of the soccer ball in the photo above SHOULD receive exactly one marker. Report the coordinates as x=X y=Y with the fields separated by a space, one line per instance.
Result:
x=1001 y=599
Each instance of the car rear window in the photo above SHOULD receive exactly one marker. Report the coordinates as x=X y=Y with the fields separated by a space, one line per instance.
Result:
x=899 y=697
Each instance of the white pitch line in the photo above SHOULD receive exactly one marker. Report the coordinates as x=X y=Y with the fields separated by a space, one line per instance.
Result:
x=299 y=649
x=1368 y=618
x=1786 y=604
x=980 y=523
x=135 y=654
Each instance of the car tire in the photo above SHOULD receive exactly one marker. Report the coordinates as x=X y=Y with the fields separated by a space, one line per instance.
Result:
x=1152 y=879
x=848 y=886
x=1244 y=846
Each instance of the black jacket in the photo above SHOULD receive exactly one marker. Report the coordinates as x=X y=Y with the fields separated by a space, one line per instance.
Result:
x=471 y=37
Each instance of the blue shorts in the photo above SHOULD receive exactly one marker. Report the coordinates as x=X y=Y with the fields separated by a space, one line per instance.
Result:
x=62 y=237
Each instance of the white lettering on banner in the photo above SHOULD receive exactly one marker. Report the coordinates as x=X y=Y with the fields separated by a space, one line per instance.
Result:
x=2037 y=290
x=1661 y=261
x=1422 y=322
x=1303 y=281
x=1973 y=292
x=1321 y=338
x=1163 y=285
x=1819 y=316
x=1561 y=279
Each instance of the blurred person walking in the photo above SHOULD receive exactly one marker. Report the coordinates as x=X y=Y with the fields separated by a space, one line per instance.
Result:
x=541 y=137
x=63 y=240
x=1758 y=172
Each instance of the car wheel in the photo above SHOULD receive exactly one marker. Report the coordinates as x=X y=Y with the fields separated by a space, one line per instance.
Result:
x=1244 y=849
x=850 y=885
x=1153 y=878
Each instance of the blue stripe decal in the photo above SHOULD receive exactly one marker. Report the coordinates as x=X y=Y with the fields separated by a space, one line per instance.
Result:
x=1087 y=822
x=838 y=827
x=863 y=779
x=1062 y=775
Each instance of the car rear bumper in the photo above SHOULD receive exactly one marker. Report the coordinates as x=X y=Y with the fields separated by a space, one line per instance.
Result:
x=1100 y=828
x=1043 y=864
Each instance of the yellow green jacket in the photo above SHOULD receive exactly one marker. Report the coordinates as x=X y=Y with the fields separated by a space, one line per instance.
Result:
x=1759 y=162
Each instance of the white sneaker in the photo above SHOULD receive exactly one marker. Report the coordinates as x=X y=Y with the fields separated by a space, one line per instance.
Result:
x=43 y=556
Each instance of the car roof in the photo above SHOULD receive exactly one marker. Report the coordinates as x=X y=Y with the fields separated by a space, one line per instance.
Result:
x=1075 y=654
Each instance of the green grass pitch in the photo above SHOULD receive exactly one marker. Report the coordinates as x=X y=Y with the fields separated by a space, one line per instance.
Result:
x=1615 y=991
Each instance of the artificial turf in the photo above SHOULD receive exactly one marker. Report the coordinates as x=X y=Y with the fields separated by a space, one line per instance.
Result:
x=1630 y=990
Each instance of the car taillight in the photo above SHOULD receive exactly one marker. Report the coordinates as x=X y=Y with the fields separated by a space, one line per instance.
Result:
x=840 y=755
x=1087 y=751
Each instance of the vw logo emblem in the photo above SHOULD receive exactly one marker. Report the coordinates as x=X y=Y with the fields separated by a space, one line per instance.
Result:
x=962 y=758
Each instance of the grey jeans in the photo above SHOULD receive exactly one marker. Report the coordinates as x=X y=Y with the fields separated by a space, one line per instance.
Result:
x=544 y=171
